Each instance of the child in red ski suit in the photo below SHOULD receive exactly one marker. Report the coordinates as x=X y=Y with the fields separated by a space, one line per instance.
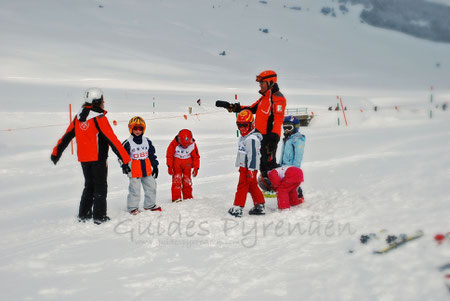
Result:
x=248 y=160
x=182 y=156
x=285 y=180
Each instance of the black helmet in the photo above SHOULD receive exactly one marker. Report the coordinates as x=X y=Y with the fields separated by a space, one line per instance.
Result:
x=264 y=183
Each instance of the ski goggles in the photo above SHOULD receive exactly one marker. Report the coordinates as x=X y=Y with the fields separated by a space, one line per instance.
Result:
x=288 y=127
x=242 y=125
x=138 y=128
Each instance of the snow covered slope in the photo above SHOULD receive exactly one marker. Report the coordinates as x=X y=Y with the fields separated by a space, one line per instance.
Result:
x=170 y=50
x=387 y=170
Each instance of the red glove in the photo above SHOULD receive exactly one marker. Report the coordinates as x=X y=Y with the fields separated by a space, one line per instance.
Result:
x=195 y=172
x=170 y=170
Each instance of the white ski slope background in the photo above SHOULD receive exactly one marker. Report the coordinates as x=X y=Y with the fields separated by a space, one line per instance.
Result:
x=386 y=170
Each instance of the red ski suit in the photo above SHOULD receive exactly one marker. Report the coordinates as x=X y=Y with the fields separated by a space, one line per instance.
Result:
x=285 y=181
x=180 y=161
x=248 y=183
x=248 y=159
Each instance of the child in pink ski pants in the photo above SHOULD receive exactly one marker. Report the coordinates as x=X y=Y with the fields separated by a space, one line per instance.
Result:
x=285 y=181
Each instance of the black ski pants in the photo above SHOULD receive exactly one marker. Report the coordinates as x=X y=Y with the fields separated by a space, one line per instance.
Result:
x=93 y=199
x=268 y=155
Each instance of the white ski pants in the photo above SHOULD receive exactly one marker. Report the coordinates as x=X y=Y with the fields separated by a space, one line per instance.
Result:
x=134 y=192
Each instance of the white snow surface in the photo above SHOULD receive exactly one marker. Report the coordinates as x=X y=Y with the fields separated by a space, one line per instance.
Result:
x=388 y=169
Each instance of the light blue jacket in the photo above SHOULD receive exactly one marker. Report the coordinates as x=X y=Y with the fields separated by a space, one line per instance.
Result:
x=292 y=150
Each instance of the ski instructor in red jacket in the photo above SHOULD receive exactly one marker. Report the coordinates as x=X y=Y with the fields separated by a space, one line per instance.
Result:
x=94 y=135
x=269 y=110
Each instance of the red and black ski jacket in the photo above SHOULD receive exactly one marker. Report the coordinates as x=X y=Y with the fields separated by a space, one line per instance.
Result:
x=269 y=110
x=93 y=135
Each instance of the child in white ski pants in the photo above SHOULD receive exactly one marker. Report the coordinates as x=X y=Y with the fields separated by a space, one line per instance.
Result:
x=143 y=168
x=134 y=192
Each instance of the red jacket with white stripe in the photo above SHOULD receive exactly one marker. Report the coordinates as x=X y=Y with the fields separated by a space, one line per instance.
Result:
x=93 y=135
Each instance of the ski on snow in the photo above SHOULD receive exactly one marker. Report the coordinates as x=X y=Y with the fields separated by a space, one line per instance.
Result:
x=401 y=240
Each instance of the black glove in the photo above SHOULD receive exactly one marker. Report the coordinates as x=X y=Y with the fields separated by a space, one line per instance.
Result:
x=126 y=169
x=54 y=159
x=272 y=142
x=155 y=172
x=222 y=104
x=231 y=107
x=234 y=107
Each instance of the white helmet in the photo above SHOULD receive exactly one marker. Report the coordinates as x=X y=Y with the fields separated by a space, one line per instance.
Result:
x=93 y=95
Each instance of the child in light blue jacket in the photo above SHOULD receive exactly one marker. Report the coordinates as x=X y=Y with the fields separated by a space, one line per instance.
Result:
x=293 y=146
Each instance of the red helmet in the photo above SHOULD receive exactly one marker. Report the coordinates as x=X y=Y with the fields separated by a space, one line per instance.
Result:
x=244 y=122
x=268 y=76
x=185 y=138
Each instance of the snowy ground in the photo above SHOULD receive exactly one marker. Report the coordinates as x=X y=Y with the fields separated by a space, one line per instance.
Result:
x=387 y=170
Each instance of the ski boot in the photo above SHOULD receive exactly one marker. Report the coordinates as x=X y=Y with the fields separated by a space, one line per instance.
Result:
x=301 y=199
x=300 y=192
x=177 y=201
x=101 y=220
x=135 y=212
x=154 y=208
x=84 y=218
x=259 y=209
x=235 y=211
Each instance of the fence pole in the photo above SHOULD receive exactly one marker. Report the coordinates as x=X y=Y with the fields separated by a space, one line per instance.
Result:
x=70 y=119
x=343 y=112
x=237 y=131
x=153 y=105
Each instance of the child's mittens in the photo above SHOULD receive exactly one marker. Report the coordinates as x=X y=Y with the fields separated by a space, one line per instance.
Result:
x=195 y=172
x=170 y=170
x=126 y=169
x=155 y=172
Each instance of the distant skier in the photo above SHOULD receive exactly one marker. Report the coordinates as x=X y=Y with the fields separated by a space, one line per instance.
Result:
x=183 y=159
x=144 y=167
x=94 y=135
x=248 y=160
x=293 y=146
x=269 y=110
